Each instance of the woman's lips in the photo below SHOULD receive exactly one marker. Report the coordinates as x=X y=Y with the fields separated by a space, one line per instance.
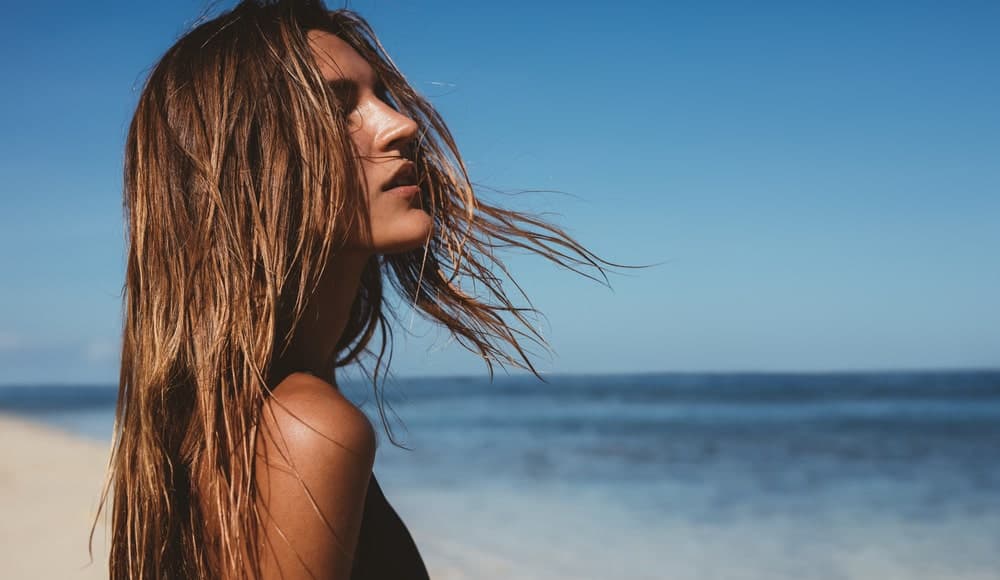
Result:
x=406 y=191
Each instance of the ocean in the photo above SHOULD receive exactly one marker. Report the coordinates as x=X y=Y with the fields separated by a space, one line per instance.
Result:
x=676 y=475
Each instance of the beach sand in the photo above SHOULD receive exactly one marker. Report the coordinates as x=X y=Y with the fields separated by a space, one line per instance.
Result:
x=50 y=484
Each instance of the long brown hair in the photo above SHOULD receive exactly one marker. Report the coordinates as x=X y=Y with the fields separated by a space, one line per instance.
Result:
x=240 y=181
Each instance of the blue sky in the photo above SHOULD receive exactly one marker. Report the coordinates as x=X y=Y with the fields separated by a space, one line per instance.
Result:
x=820 y=181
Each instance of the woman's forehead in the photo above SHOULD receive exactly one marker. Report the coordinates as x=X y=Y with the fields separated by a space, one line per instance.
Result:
x=337 y=59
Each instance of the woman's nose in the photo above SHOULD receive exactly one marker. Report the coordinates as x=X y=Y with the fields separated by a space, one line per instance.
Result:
x=399 y=131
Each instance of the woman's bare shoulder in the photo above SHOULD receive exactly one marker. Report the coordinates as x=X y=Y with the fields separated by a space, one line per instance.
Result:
x=315 y=455
x=312 y=414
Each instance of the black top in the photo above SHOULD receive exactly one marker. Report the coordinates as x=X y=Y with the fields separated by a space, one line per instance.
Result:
x=385 y=548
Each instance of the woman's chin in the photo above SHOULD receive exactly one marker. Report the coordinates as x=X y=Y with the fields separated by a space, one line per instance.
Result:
x=408 y=233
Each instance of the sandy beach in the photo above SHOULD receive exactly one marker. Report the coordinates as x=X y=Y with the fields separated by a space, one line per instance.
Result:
x=50 y=484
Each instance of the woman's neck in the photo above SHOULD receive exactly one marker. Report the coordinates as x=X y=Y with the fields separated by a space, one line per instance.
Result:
x=313 y=348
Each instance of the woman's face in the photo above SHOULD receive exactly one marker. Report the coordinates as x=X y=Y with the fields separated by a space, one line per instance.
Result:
x=382 y=136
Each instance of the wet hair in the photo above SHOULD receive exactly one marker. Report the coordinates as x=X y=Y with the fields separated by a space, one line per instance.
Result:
x=240 y=181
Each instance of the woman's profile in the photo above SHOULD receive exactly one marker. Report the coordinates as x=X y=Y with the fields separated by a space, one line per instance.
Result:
x=280 y=176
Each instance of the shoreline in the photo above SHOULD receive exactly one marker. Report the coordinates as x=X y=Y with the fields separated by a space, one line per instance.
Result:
x=901 y=494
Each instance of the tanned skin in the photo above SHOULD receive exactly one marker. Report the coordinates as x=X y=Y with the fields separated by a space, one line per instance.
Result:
x=316 y=449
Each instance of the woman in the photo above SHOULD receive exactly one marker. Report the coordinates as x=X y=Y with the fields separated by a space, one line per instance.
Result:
x=278 y=170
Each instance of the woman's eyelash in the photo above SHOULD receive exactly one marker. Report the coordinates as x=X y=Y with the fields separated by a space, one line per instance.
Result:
x=345 y=93
x=382 y=92
x=349 y=103
x=347 y=96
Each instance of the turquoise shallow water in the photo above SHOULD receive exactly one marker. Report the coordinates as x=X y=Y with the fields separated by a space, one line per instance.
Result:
x=679 y=475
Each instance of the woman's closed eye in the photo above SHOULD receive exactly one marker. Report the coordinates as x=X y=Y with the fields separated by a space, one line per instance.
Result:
x=382 y=92
x=346 y=93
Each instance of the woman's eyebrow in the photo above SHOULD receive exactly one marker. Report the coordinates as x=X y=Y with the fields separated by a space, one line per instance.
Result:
x=348 y=83
x=345 y=90
x=342 y=85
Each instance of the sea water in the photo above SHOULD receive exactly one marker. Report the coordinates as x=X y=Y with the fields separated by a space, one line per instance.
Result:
x=827 y=476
